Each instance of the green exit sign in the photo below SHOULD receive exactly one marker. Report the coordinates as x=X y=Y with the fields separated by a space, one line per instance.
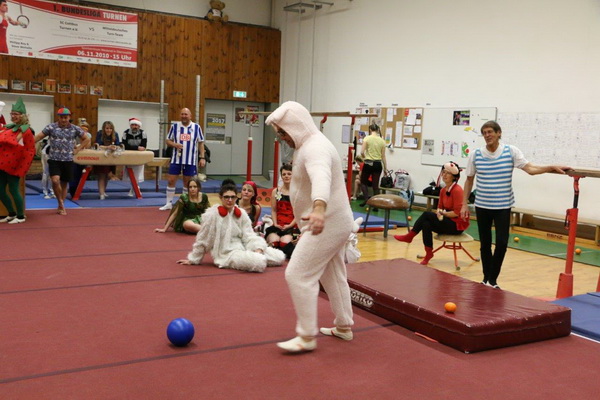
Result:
x=239 y=94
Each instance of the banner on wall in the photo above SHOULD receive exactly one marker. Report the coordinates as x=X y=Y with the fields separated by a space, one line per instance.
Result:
x=68 y=32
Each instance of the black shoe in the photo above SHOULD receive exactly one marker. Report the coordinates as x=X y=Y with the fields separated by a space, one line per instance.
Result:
x=375 y=209
x=364 y=203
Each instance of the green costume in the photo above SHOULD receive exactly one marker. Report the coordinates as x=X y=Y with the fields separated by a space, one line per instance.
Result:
x=186 y=209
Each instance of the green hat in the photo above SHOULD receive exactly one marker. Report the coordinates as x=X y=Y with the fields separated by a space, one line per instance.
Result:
x=19 y=107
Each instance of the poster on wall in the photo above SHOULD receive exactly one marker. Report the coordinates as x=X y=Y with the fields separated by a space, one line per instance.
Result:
x=215 y=127
x=68 y=32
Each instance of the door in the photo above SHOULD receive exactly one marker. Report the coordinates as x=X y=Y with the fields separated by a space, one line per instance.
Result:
x=227 y=137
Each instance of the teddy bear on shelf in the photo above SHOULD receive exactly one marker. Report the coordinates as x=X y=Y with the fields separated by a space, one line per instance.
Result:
x=216 y=11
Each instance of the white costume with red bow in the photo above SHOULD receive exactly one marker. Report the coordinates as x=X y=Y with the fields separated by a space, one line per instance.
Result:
x=232 y=242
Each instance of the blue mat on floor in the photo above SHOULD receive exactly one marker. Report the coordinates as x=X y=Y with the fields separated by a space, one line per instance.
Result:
x=585 y=314
x=376 y=220
x=210 y=186
x=37 y=202
x=116 y=199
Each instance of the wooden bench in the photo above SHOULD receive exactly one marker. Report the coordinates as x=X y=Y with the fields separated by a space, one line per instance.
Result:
x=524 y=217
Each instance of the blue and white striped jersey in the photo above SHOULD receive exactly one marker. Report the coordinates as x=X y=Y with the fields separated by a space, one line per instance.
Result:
x=190 y=137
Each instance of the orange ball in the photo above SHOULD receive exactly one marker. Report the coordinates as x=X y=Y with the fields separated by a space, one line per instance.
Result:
x=577 y=251
x=409 y=218
x=516 y=239
x=450 y=307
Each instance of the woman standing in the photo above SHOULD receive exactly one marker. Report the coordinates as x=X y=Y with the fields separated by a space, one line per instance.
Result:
x=373 y=153
x=446 y=219
x=227 y=233
x=17 y=148
x=107 y=139
x=186 y=215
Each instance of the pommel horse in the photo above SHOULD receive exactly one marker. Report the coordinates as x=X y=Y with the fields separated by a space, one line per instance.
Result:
x=565 y=280
x=106 y=157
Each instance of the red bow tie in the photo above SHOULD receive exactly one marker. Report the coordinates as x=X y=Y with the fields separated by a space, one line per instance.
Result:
x=223 y=212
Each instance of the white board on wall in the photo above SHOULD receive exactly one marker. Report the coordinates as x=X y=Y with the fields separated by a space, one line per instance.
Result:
x=120 y=111
x=452 y=133
x=554 y=138
x=40 y=108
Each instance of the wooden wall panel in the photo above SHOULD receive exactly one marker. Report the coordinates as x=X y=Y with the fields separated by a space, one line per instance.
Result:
x=175 y=49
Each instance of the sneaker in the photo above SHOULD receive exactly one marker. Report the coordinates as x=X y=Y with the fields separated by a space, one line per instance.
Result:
x=47 y=197
x=352 y=198
x=375 y=209
x=102 y=196
x=298 y=345
x=166 y=207
x=130 y=194
x=364 y=203
x=7 y=219
x=495 y=285
x=17 y=220
x=347 y=335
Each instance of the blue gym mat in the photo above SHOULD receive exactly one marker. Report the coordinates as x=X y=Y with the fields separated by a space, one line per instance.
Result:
x=585 y=314
x=37 y=202
x=210 y=186
x=375 y=220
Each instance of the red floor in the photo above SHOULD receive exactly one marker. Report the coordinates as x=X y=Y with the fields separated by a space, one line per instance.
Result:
x=85 y=300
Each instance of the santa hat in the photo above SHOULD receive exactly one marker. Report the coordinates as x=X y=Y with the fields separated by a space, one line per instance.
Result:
x=135 y=121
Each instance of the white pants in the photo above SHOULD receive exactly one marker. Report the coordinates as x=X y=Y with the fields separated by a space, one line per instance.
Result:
x=138 y=172
x=315 y=258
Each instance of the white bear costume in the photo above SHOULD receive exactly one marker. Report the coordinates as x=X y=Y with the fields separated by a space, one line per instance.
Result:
x=232 y=242
x=317 y=175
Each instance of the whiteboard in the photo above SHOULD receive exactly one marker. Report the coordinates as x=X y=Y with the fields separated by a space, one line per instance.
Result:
x=571 y=139
x=452 y=133
x=119 y=112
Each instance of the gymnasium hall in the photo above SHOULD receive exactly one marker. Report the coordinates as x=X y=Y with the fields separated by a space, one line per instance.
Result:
x=86 y=295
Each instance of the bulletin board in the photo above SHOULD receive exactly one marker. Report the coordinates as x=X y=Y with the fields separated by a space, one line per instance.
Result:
x=451 y=134
x=401 y=127
x=554 y=138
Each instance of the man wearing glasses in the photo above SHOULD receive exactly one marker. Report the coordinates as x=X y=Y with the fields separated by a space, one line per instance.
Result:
x=493 y=165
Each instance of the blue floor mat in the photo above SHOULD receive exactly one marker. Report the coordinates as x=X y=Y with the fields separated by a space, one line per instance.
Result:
x=210 y=186
x=37 y=202
x=585 y=314
x=377 y=220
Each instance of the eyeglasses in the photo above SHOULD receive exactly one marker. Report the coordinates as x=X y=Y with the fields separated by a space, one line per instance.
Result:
x=229 y=197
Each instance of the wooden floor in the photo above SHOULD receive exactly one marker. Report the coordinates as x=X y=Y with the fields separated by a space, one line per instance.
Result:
x=525 y=273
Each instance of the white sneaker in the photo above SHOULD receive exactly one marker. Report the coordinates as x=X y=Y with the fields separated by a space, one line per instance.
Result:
x=7 y=219
x=166 y=207
x=338 y=334
x=17 y=220
x=130 y=194
x=47 y=197
x=298 y=345
x=102 y=196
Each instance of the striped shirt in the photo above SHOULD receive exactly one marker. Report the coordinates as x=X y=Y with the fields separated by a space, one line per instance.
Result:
x=494 y=176
x=189 y=136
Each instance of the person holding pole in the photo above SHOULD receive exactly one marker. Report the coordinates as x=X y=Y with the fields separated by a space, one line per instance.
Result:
x=493 y=165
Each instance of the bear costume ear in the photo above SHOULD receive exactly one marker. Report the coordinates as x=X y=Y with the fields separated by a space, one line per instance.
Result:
x=237 y=212
x=223 y=212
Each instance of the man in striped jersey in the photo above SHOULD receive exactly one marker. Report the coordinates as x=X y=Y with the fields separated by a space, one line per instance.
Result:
x=493 y=165
x=187 y=140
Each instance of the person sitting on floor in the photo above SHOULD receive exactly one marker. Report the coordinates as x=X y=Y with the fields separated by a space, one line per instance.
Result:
x=446 y=220
x=284 y=231
x=226 y=232
x=186 y=215
x=248 y=202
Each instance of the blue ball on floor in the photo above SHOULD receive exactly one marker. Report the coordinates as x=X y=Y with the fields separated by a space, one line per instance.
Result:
x=180 y=332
